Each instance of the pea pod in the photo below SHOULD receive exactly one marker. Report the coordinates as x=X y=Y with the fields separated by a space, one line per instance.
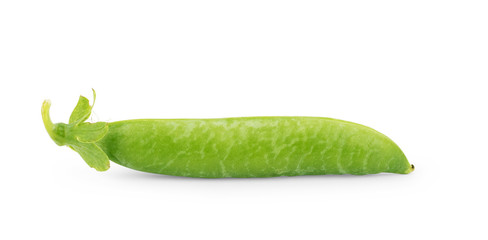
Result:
x=229 y=147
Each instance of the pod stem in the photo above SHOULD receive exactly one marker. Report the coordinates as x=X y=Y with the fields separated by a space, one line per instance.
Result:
x=48 y=124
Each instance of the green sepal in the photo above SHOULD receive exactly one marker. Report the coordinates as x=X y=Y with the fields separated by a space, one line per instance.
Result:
x=79 y=135
x=90 y=132
x=93 y=155
x=82 y=110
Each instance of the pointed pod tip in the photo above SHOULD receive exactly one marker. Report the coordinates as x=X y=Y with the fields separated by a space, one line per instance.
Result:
x=411 y=169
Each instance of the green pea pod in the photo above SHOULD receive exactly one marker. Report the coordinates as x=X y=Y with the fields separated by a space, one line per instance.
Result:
x=229 y=147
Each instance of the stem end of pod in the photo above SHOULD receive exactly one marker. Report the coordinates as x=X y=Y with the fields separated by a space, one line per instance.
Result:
x=79 y=135
x=51 y=128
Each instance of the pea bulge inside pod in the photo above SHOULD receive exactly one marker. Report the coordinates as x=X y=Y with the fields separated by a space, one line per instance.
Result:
x=229 y=147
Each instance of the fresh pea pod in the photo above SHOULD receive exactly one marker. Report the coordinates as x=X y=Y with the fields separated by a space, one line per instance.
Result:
x=229 y=147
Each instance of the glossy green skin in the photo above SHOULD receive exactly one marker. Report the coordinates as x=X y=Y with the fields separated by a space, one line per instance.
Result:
x=251 y=147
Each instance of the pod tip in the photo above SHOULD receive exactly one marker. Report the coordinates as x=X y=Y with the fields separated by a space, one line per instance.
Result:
x=412 y=167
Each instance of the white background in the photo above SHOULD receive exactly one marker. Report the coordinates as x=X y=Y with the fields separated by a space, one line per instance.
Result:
x=414 y=70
